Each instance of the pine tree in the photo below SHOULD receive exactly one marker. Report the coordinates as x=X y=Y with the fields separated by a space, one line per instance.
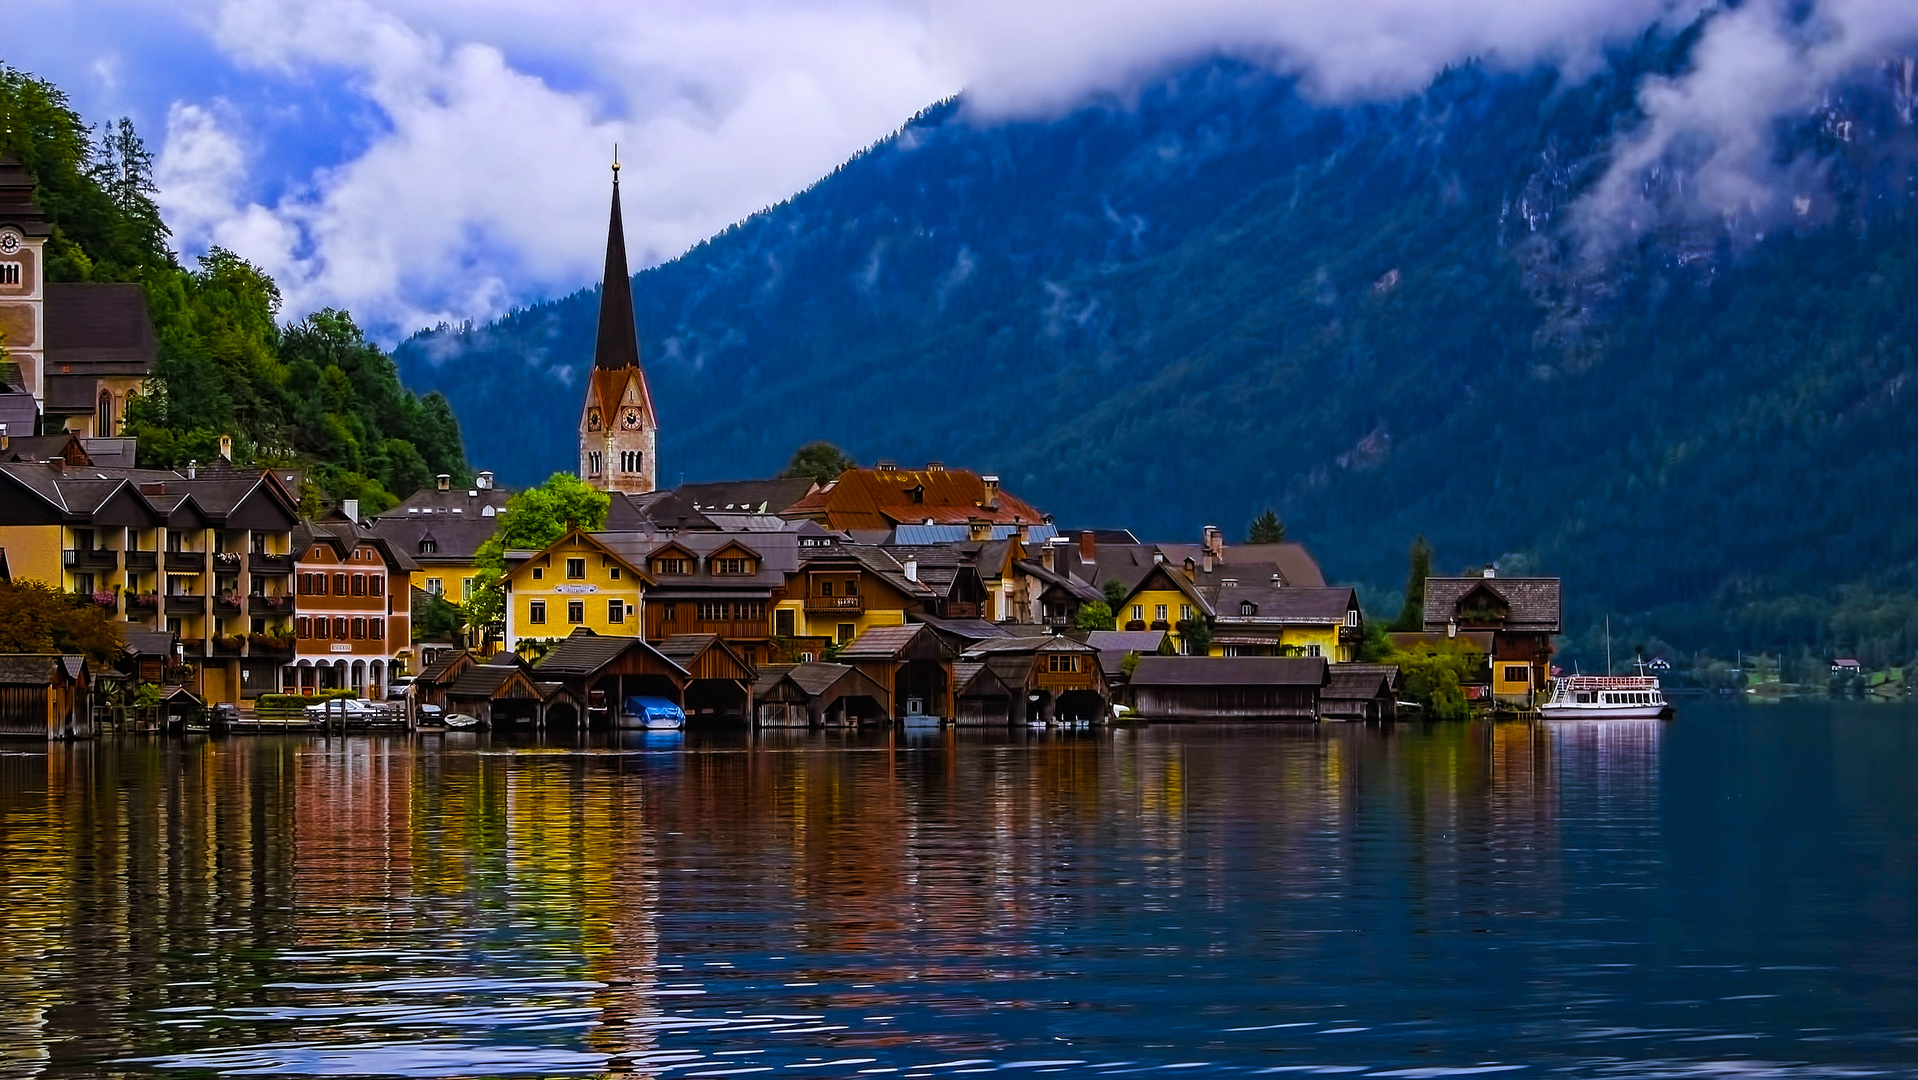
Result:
x=1412 y=615
x=1267 y=529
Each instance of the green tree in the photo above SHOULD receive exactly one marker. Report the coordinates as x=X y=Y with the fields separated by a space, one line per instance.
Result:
x=437 y=619
x=1116 y=592
x=1266 y=529
x=1412 y=614
x=818 y=461
x=35 y=617
x=1129 y=664
x=1196 y=635
x=532 y=519
x=1096 y=616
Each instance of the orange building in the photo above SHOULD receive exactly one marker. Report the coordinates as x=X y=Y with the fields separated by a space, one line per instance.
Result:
x=352 y=608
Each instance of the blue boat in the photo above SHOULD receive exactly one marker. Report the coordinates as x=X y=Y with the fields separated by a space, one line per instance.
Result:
x=652 y=713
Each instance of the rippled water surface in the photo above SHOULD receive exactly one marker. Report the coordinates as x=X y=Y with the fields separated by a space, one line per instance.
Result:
x=1731 y=893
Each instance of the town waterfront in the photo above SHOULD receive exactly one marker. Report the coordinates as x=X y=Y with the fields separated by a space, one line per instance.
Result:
x=1730 y=893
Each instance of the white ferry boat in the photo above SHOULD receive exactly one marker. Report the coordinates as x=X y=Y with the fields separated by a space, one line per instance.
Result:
x=1605 y=697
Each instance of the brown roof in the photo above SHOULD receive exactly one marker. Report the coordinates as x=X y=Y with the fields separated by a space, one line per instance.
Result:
x=1357 y=685
x=586 y=654
x=103 y=326
x=1229 y=671
x=880 y=499
x=887 y=642
x=39 y=669
x=1534 y=601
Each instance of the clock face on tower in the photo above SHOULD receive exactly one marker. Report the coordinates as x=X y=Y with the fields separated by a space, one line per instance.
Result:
x=631 y=419
x=592 y=419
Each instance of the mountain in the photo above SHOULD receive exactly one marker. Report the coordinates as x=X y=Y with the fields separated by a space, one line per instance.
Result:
x=1377 y=319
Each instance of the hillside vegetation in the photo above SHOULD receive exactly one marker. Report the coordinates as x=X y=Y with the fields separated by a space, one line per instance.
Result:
x=316 y=394
x=1223 y=297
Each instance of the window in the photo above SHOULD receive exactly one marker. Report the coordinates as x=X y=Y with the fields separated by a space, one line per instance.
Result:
x=376 y=629
x=668 y=612
x=852 y=586
x=1351 y=618
x=429 y=547
x=539 y=573
x=575 y=569
x=103 y=416
x=734 y=566
x=749 y=609
x=615 y=611
x=302 y=627
x=1185 y=612
x=339 y=628
x=825 y=588
x=670 y=566
x=359 y=629
x=1313 y=650
x=592 y=463
x=467 y=586
x=359 y=584
x=536 y=612
x=1062 y=662
x=710 y=610
x=575 y=611
x=1158 y=612
x=783 y=622
x=9 y=273
x=1517 y=673
x=630 y=460
x=436 y=586
x=1138 y=612
x=339 y=584
x=846 y=632
x=613 y=572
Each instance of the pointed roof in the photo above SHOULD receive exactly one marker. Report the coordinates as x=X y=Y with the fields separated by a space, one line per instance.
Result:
x=618 y=343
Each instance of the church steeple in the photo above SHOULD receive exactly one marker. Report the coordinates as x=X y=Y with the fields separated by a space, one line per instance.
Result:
x=618 y=431
x=618 y=344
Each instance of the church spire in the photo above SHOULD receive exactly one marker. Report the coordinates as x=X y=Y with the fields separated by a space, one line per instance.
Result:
x=618 y=344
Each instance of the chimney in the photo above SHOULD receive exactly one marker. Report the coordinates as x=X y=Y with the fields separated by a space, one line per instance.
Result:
x=992 y=490
x=351 y=508
x=226 y=448
x=443 y=482
x=1046 y=558
x=483 y=481
x=1208 y=560
x=192 y=469
x=1088 y=547
x=1491 y=570
x=3 y=437
x=1277 y=582
x=58 y=464
x=1214 y=542
x=912 y=569
x=979 y=530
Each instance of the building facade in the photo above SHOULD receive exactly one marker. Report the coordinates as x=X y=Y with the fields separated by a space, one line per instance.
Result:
x=352 y=610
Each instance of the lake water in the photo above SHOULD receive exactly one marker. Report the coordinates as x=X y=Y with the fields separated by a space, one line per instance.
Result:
x=1731 y=893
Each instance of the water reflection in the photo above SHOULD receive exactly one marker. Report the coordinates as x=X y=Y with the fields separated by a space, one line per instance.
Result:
x=1347 y=898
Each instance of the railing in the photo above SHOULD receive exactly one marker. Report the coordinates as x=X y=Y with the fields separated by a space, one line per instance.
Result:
x=142 y=560
x=1161 y=624
x=185 y=603
x=1059 y=620
x=226 y=604
x=143 y=601
x=94 y=558
x=1065 y=680
x=270 y=644
x=835 y=603
x=229 y=646
x=965 y=610
x=1350 y=633
x=263 y=604
x=186 y=560
x=106 y=600
x=262 y=563
x=1135 y=624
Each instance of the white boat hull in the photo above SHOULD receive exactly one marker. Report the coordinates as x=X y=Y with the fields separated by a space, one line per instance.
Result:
x=1602 y=712
x=1605 y=697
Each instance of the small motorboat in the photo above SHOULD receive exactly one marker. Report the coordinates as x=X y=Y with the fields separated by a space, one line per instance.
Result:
x=651 y=714
x=460 y=721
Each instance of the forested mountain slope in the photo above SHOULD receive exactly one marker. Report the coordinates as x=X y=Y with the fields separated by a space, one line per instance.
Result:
x=1222 y=296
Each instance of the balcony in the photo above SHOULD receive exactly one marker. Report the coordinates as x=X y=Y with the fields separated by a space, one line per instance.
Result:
x=185 y=604
x=836 y=603
x=142 y=602
x=962 y=610
x=1135 y=625
x=186 y=561
x=229 y=646
x=263 y=604
x=1059 y=621
x=1061 y=681
x=91 y=558
x=106 y=600
x=269 y=645
x=227 y=604
x=192 y=646
x=228 y=561
x=261 y=563
x=142 y=560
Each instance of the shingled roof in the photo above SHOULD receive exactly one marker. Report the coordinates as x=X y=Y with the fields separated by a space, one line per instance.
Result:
x=1229 y=671
x=586 y=654
x=880 y=499
x=1534 y=602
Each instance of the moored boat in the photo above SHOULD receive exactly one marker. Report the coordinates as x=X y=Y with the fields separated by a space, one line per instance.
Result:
x=1606 y=697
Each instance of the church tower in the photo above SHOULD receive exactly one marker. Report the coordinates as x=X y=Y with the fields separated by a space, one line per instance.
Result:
x=23 y=323
x=617 y=426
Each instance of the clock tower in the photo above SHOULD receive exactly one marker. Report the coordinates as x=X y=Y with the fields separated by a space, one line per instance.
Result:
x=618 y=429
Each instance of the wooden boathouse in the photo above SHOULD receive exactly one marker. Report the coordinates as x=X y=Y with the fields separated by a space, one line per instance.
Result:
x=1236 y=688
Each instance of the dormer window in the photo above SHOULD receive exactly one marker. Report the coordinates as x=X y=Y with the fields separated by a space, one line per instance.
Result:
x=429 y=547
x=1247 y=607
x=669 y=566
x=732 y=566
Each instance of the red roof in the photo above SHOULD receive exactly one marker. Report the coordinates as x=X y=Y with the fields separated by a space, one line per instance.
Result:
x=882 y=498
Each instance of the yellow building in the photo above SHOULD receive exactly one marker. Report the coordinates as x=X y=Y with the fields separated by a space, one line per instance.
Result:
x=1163 y=598
x=840 y=591
x=1264 y=619
x=575 y=581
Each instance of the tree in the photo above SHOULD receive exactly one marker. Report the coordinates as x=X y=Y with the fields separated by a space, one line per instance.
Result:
x=1196 y=635
x=1096 y=616
x=532 y=519
x=35 y=617
x=1116 y=592
x=821 y=462
x=1266 y=529
x=1412 y=615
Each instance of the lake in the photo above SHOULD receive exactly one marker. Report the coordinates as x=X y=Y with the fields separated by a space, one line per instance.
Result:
x=1731 y=893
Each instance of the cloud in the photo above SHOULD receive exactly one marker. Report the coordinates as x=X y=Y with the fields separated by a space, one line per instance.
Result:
x=1706 y=152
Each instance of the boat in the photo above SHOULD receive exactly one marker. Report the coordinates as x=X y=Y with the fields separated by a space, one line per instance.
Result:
x=1605 y=697
x=651 y=714
x=460 y=721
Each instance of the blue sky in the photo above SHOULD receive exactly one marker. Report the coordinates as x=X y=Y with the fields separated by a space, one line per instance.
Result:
x=418 y=161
